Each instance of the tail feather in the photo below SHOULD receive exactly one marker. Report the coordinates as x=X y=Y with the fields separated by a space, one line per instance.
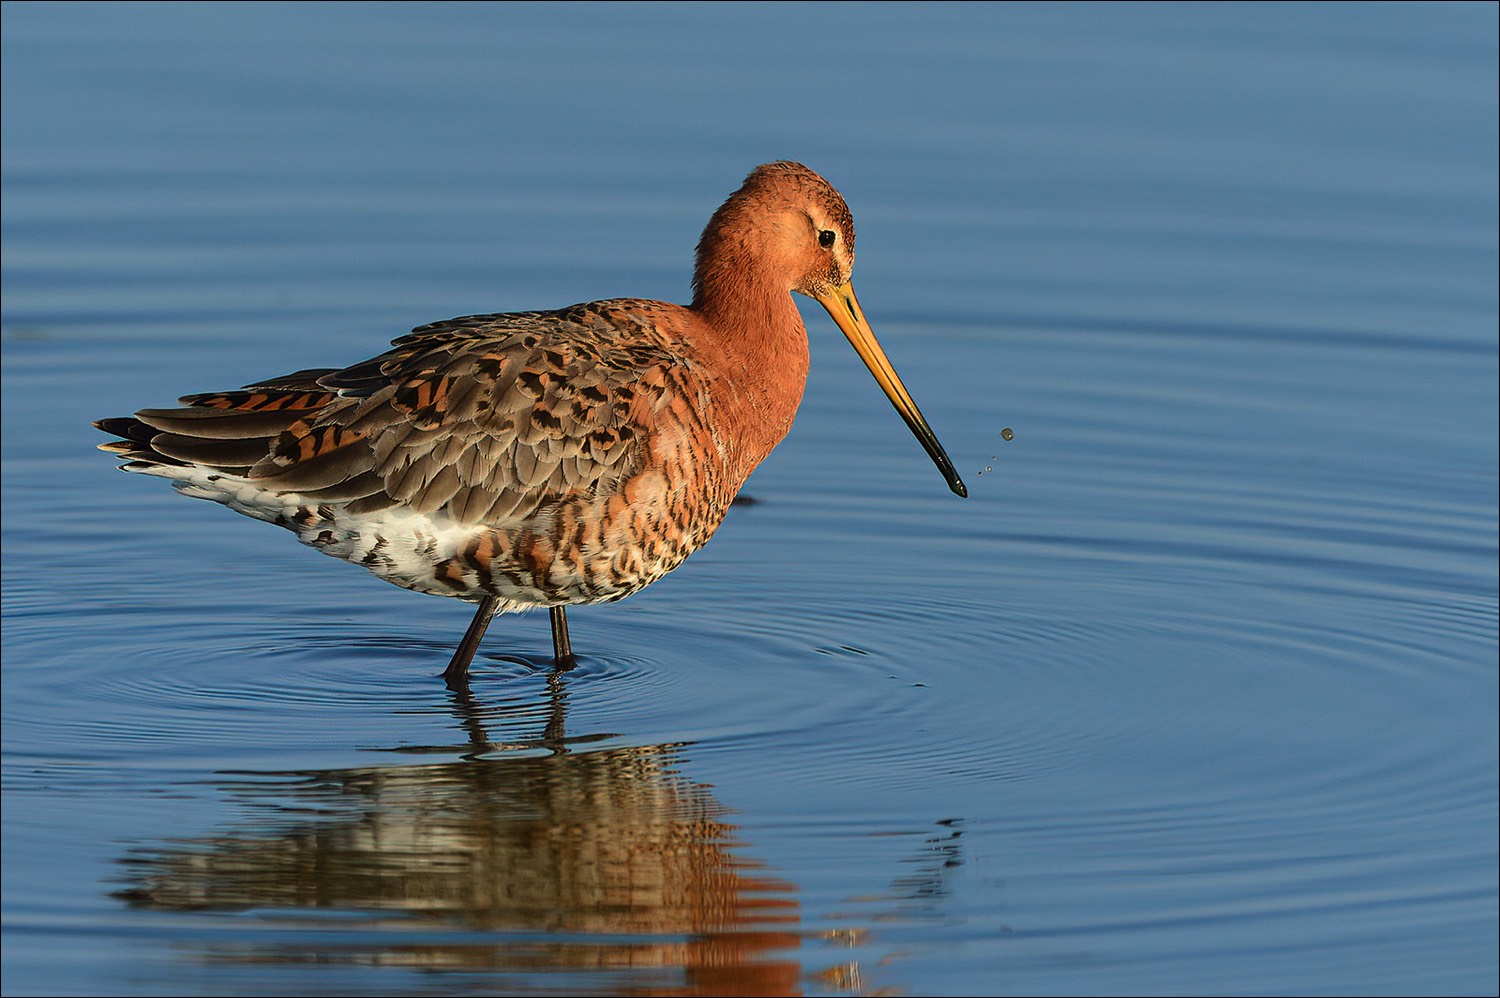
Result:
x=219 y=424
x=133 y=447
x=125 y=427
x=223 y=432
x=213 y=452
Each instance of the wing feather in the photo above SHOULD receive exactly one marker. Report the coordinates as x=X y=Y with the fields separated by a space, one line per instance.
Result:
x=485 y=419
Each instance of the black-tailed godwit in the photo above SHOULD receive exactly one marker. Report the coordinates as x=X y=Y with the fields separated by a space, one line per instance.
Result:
x=542 y=459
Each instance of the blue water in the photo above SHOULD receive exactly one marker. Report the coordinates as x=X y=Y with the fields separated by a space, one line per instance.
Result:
x=1195 y=694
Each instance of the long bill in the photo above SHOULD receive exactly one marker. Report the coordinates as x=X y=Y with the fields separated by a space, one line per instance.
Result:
x=844 y=308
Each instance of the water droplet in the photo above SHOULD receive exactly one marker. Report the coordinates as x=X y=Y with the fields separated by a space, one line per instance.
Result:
x=1007 y=434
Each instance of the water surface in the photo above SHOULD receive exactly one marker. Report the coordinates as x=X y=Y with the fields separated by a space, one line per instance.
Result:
x=1195 y=694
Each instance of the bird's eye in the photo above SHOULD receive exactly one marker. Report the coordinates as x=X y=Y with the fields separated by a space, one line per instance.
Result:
x=826 y=237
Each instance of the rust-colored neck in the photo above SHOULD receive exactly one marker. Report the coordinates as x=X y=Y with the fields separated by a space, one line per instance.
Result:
x=754 y=327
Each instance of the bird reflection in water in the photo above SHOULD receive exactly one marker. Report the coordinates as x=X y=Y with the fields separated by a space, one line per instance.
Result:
x=522 y=859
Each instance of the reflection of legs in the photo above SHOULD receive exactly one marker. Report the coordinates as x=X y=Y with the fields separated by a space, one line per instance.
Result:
x=457 y=673
x=562 y=648
x=474 y=717
x=555 y=735
x=467 y=709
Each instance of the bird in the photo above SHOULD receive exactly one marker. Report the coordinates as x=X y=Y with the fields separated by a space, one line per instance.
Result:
x=546 y=458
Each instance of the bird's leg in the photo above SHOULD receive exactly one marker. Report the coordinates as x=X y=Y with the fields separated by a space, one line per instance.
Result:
x=457 y=673
x=562 y=648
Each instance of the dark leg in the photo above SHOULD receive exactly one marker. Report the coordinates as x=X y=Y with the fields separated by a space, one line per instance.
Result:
x=562 y=648
x=457 y=673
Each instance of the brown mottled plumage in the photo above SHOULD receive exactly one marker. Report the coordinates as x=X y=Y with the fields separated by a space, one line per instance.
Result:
x=542 y=458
